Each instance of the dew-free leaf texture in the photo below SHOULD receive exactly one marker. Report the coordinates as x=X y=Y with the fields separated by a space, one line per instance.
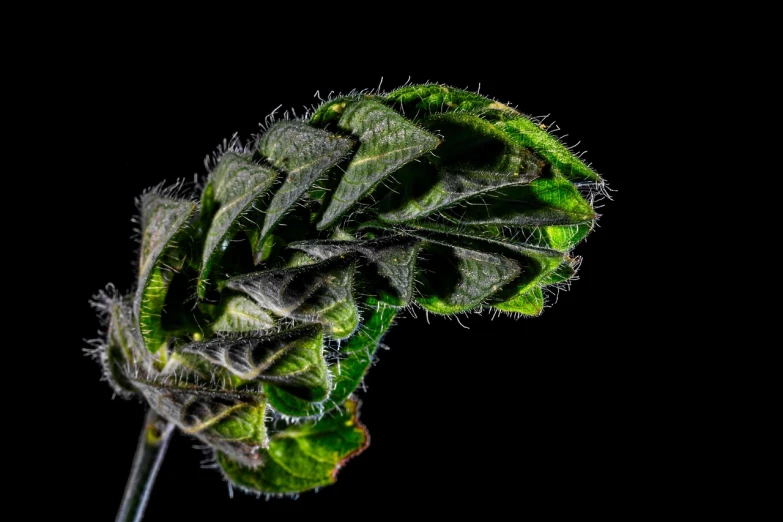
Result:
x=387 y=142
x=259 y=311
x=232 y=423
x=304 y=456
x=355 y=357
x=304 y=153
x=475 y=158
x=394 y=258
x=542 y=202
x=292 y=359
x=162 y=218
x=469 y=278
x=240 y=314
x=237 y=183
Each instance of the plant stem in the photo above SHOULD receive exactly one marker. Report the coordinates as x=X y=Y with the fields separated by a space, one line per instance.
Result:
x=153 y=441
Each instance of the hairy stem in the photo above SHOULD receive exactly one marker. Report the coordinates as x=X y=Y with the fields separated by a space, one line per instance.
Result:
x=153 y=441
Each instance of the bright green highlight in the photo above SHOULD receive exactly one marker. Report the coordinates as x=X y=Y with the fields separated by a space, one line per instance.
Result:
x=530 y=303
x=440 y=98
x=162 y=218
x=238 y=313
x=304 y=456
x=563 y=162
x=355 y=357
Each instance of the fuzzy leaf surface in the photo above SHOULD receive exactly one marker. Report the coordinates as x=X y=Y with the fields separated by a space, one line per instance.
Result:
x=124 y=350
x=317 y=292
x=292 y=359
x=162 y=218
x=302 y=457
x=394 y=258
x=474 y=158
x=466 y=281
x=435 y=98
x=236 y=183
x=304 y=153
x=530 y=302
x=232 y=423
x=355 y=358
x=240 y=314
x=387 y=142
x=563 y=162
x=543 y=202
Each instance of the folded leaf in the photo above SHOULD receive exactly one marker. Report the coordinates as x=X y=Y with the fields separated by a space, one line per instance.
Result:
x=355 y=357
x=566 y=237
x=162 y=218
x=313 y=293
x=392 y=257
x=530 y=303
x=240 y=314
x=563 y=162
x=124 y=354
x=565 y=271
x=304 y=153
x=230 y=422
x=480 y=239
x=283 y=290
x=292 y=359
x=542 y=202
x=465 y=279
x=237 y=183
x=387 y=142
x=303 y=456
x=332 y=304
x=435 y=98
x=475 y=158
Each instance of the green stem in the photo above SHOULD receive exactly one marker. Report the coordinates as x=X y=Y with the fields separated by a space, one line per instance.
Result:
x=153 y=441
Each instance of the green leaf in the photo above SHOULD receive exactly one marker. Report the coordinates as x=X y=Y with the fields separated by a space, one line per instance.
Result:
x=357 y=354
x=283 y=290
x=394 y=258
x=355 y=358
x=124 y=352
x=232 y=423
x=465 y=279
x=565 y=271
x=330 y=111
x=305 y=154
x=428 y=193
x=543 y=202
x=237 y=313
x=535 y=263
x=563 y=162
x=434 y=98
x=302 y=457
x=480 y=239
x=332 y=304
x=530 y=303
x=162 y=218
x=475 y=158
x=237 y=183
x=388 y=141
x=292 y=359
x=317 y=292
x=566 y=237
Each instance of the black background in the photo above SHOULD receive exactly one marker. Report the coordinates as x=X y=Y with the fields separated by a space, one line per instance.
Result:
x=497 y=415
